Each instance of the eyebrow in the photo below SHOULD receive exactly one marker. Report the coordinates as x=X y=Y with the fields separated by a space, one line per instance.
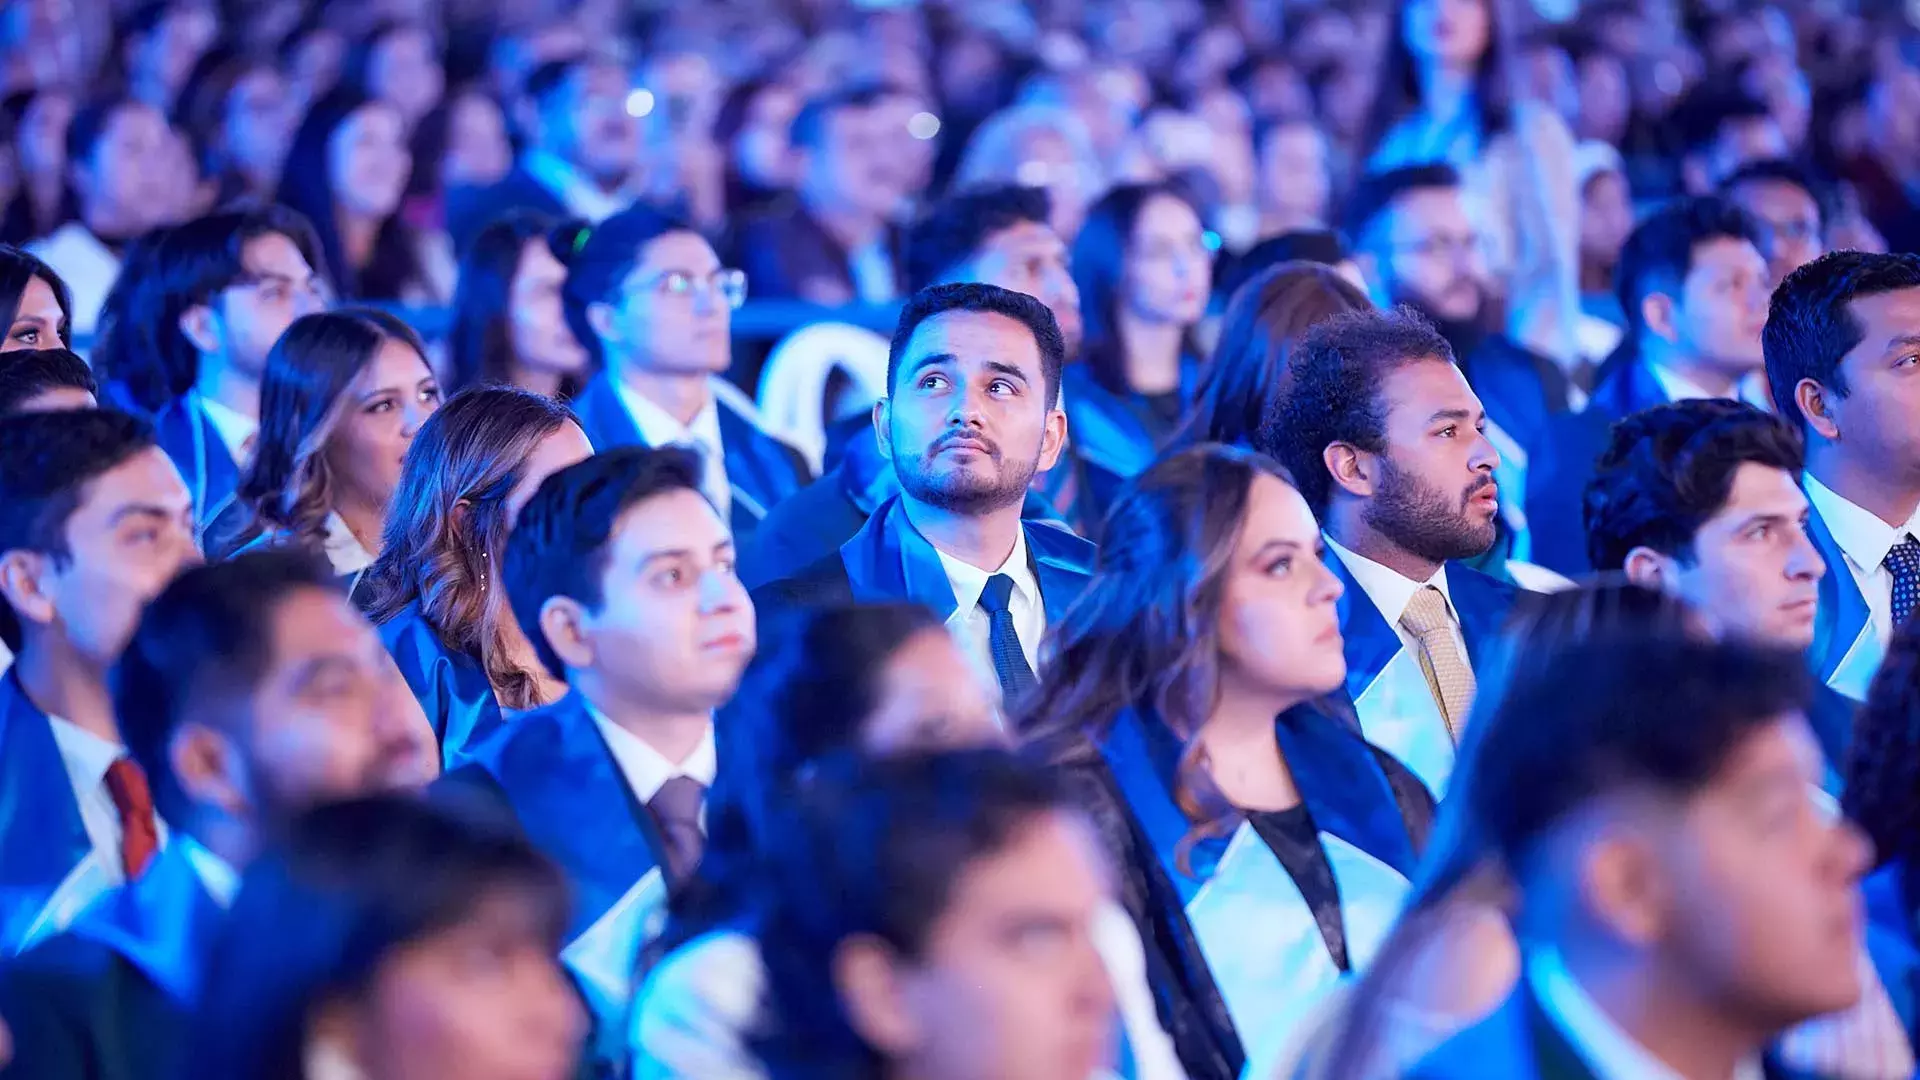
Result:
x=143 y=510
x=1450 y=414
x=312 y=669
x=1277 y=545
x=1901 y=341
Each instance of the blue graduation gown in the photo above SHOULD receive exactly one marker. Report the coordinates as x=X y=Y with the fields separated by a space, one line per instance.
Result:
x=46 y=860
x=452 y=687
x=761 y=469
x=190 y=439
x=1115 y=433
x=1386 y=687
x=1846 y=652
x=1891 y=942
x=1558 y=471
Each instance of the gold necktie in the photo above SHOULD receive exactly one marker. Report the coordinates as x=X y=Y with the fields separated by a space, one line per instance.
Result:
x=1447 y=671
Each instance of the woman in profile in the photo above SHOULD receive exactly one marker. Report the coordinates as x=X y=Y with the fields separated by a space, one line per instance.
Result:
x=509 y=327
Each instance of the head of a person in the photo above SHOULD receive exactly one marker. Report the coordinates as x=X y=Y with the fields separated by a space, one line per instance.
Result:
x=1702 y=499
x=1788 y=216
x=252 y=689
x=1697 y=849
x=997 y=235
x=1842 y=347
x=253 y=117
x=1416 y=244
x=842 y=141
x=944 y=929
x=1140 y=257
x=1381 y=430
x=1606 y=206
x=1882 y=770
x=398 y=62
x=344 y=395
x=646 y=289
x=392 y=937
x=117 y=164
x=164 y=39
x=462 y=143
x=1694 y=286
x=1295 y=171
x=1251 y=370
x=1721 y=130
x=509 y=323
x=473 y=465
x=972 y=410
x=34 y=301
x=754 y=126
x=94 y=520
x=1458 y=37
x=579 y=114
x=224 y=288
x=622 y=575
x=1037 y=145
x=349 y=160
x=46 y=380
x=1323 y=246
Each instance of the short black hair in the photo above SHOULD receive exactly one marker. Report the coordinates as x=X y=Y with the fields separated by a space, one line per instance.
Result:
x=46 y=461
x=604 y=256
x=938 y=300
x=1617 y=713
x=208 y=635
x=89 y=126
x=28 y=374
x=549 y=77
x=561 y=542
x=1670 y=468
x=1658 y=254
x=1338 y=370
x=952 y=230
x=1376 y=192
x=1701 y=116
x=809 y=129
x=1783 y=171
x=1811 y=326
x=1323 y=246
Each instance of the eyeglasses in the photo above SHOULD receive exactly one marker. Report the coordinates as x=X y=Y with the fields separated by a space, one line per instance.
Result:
x=1441 y=245
x=729 y=285
x=280 y=286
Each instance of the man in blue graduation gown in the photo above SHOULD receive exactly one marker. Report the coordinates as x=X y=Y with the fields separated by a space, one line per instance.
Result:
x=1842 y=348
x=1694 y=287
x=251 y=689
x=93 y=522
x=972 y=413
x=651 y=300
x=621 y=572
x=1388 y=445
x=221 y=290
x=1684 y=900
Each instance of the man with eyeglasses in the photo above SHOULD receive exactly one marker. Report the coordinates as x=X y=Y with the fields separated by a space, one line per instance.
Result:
x=650 y=299
x=1786 y=212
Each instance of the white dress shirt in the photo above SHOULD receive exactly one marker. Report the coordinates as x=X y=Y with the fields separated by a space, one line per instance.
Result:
x=1865 y=540
x=235 y=428
x=658 y=428
x=1678 y=387
x=1391 y=592
x=87 y=758
x=582 y=197
x=647 y=770
x=871 y=267
x=970 y=624
x=1608 y=1051
x=344 y=552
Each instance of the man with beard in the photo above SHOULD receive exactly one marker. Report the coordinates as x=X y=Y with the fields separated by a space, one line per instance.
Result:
x=1388 y=445
x=972 y=413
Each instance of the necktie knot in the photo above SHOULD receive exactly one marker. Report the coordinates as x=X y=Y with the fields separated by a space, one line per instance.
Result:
x=1426 y=612
x=997 y=596
x=139 y=833
x=676 y=810
x=1903 y=562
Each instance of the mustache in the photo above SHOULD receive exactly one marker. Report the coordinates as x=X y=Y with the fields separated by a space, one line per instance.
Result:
x=992 y=448
x=1476 y=488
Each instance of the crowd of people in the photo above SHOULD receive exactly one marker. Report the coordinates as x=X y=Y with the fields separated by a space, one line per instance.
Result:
x=1383 y=540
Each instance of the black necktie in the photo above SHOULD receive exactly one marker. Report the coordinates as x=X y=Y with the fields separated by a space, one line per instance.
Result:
x=676 y=810
x=1009 y=659
x=1904 y=562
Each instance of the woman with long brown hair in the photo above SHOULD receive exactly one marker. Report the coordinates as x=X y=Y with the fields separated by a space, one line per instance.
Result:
x=434 y=591
x=1265 y=845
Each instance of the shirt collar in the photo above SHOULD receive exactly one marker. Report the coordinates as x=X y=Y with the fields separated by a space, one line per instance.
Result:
x=969 y=581
x=343 y=549
x=657 y=428
x=580 y=195
x=1862 y=536
x=233 y=426
x=646 y=770
x=1678 y=387
x=216 y=874
x=87 y=756
x=1390 y=590
x=1610 y=1052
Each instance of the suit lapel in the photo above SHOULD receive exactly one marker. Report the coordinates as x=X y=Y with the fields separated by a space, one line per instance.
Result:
x=889 y=560
x=162 y=924
x=1553 y=1058
x=1370 y=640
x=605 y=416
x=41 y=835
x=757 y=467
x=1062 y=562
x=1842 y=618
x=1482 y=603
x=1344 y=787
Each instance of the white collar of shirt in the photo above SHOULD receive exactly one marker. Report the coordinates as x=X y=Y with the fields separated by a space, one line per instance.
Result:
x=233 y=427
x=646 y=769
x=581 y=196
x=1390 y=590
x=657 y=428
x=87 y=756
x=344 y=552
x=969 y=581
x=216 y=874
x=1862 y=536
x=1678 y=387
x=1611 y=1053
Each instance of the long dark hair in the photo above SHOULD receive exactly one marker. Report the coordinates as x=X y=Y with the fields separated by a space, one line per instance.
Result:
x=1397 y=90
x=306 y=185
x=1883 y=764
x=447 y=525
x=1099 y=271
x=320 y=915
x=289 y=487
x=18 y=268
x=1248 y=372
x=480 y=341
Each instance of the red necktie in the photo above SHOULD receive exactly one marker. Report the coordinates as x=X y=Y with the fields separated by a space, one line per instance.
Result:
x=139 y=834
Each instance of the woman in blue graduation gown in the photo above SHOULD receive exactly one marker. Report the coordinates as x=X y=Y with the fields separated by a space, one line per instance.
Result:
x=433 y=592
x=1265 y=846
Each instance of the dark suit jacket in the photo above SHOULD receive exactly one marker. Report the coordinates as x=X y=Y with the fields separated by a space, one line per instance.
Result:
x=471 y=209
x=784 y=250
x=42 y=837
x=190 y=439
x=1522 y=390
x=1558 y=474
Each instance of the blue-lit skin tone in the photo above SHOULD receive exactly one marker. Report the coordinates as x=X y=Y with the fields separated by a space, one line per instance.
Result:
x=38 y=323
x=1164 y=289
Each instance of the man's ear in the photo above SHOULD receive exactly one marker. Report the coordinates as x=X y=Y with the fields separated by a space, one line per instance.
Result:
x=1053 y=439
x=23 y=586
x=882 y=424
x=868 y=979
x=563 y=623
x=1624 y=887
x=1657 y=313
x=198 y=325
x=1353 y=470
x=1649 y=569
x=208 y=768
x=600 y=316
x=1811 y=398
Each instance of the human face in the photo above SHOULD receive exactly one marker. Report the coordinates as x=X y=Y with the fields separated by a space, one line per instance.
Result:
x=1295 y=182
x=929 y=700
x=383 y=409
x=124 y=185
x=1877 y=422
x=593 y=130
x=1435 y=496
x=405 y=72
x=1743 y=141
x=1010 y=985
x=542 y=340
x=1168 y=272
x=762 y=151
x=565 y=447
x=1430 y=255
x=673 y=315
x=968 y=423
x=1762 y=885
x=39 y=323
x=481 y=1000
x=1605 y=102
x=478 y=152
x=1723 y=306
x=42 y=138
x=1279 y=619
x=1030 y=258
x=674 y=629
x=1754 y=572
x=331 y=718
x=850 y=169
x=258 y=121
x=130 y=534
x=1789 y=223
x=1606 y=218
x=369 y=161
x=1449 y=34
x=276 y=286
